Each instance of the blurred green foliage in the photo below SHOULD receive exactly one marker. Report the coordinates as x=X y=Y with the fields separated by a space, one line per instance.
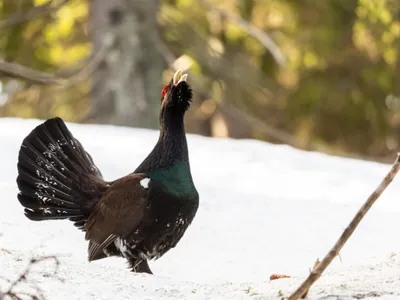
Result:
x=48 y=43
x=338 y=92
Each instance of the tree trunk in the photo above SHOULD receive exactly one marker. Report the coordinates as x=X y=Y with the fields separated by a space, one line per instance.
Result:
x=127 y=85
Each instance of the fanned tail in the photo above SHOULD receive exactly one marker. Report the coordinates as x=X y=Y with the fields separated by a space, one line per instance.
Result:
x=57 y=178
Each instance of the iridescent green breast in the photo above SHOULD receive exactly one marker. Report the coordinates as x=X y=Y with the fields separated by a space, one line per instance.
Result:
x=176 y=180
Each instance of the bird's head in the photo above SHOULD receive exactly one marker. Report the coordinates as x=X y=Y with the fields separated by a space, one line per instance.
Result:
x=176 y=96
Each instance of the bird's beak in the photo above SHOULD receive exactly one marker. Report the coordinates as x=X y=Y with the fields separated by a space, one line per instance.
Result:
x=179 y=77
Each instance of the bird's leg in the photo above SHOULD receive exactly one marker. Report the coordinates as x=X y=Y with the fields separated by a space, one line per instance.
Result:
x=140 y=266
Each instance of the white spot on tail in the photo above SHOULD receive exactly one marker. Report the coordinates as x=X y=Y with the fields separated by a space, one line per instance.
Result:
x=145 y=182
x=180 y=221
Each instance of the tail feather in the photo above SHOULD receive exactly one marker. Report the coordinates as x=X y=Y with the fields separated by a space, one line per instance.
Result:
x=57 y=178
x=34 y=158
x=57 y=150
x=54 y=202
x=41 y=180
x=72 y=148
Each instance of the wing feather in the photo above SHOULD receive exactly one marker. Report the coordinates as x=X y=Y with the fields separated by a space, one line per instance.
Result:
x=118 y=212
x=95 y=248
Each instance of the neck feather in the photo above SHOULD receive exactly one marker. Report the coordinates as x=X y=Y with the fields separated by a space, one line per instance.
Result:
x=170 y=148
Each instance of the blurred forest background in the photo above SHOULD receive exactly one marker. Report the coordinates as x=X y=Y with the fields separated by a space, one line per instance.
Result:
x=317 y=75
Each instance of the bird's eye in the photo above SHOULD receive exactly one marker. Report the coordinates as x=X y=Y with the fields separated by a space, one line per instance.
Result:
x=164 y=90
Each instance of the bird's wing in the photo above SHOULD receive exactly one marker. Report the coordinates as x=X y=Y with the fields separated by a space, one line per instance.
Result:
x=118 y=212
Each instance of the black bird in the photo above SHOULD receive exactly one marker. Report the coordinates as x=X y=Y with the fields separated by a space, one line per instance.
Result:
x=139 y=216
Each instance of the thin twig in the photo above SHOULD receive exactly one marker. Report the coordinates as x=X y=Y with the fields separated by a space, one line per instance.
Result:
x=316 y=272
x=253 y=31
x=36 y=12
x=37 y=292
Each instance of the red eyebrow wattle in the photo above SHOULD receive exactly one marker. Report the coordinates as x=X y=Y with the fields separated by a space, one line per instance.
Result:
x=164 y=90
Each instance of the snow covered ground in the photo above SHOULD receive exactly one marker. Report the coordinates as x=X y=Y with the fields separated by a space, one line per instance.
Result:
x=264 y=209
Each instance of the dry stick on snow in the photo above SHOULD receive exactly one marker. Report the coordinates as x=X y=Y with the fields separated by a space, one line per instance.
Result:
x=39 y=11
x=317 y=271
x=35 y=292
x=253 y=31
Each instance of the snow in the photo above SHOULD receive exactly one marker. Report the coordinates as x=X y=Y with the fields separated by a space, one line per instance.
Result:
x=264 y=209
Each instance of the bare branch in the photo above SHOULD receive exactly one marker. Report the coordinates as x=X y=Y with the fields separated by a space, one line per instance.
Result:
x=39 y=11
x=21 y=72
x=320 y=267
x=18 y=71
x=253 y=31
